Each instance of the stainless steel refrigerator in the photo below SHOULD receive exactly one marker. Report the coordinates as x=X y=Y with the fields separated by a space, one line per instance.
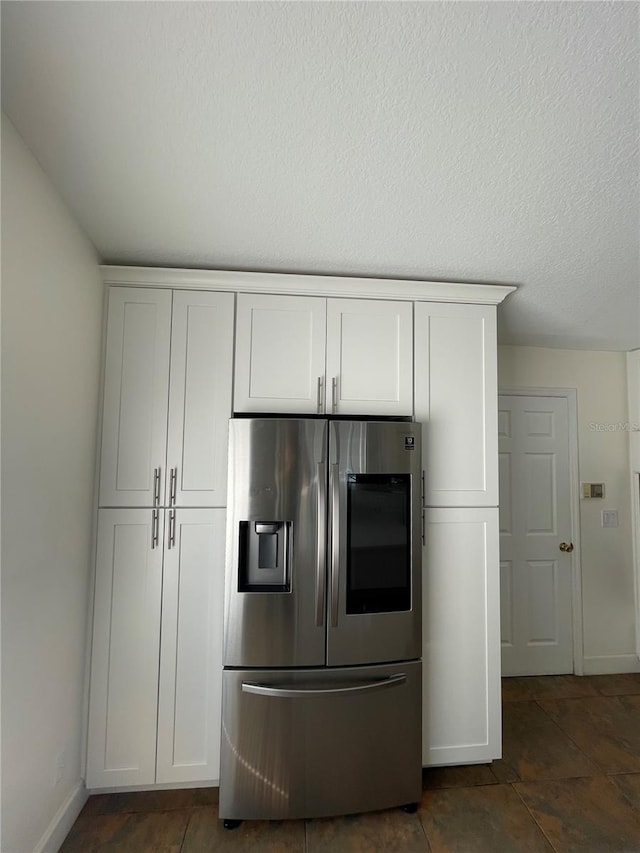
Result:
x=322 y=633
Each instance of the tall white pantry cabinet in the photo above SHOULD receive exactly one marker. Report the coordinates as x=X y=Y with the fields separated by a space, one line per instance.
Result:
x=456 y=401
x=178 y=342
x=154 y=704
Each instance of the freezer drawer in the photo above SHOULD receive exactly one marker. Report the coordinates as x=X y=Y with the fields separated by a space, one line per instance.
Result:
x=320 y=742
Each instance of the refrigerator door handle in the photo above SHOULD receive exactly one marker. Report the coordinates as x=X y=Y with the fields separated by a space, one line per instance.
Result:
x=335 y=543
x=321 y=547
x=286 y=692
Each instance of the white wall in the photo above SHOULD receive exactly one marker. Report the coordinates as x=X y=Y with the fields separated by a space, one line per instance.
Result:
x=600 y=379
x=51 y=338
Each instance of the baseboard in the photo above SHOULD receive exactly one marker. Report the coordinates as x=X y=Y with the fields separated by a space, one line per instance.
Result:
x=63 y=820
x=159 y=786
x=610 y=664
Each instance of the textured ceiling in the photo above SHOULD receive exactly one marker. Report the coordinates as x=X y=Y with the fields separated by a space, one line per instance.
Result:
x=492 y=142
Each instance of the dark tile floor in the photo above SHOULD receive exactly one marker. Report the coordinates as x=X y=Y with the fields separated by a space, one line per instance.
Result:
x=569 y=782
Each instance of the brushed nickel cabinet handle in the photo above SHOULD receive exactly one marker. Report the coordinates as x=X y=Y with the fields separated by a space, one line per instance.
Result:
x=156 y=486
x=172 y=529
x=173 y=483
x=320 y=400
x=334 y=395
x=155 y=525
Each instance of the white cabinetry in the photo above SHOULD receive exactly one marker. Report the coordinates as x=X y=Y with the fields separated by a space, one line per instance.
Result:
x=156 y=669
x=134 y=421
x=309 y=355
x=156 y=653
x=166 y=352
x=124 y=659
x=369 y=357
x=457 y=401
x=633 y=383
x=190 y=694
x=461 y=637
x=153 y=566
x=280 y=353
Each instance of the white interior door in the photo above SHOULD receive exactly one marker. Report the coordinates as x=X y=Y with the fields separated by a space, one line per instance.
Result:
x=535 y=518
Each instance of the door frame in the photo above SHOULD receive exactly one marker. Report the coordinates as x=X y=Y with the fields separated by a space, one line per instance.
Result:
x=571 y=396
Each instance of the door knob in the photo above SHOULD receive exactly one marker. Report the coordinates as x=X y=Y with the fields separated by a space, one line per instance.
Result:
x=567 y=547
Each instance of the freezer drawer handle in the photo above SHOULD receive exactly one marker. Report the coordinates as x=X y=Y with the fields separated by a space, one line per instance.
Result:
x=296 y=692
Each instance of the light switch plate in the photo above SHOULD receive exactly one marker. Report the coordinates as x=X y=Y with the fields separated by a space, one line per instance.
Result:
x=609 y=517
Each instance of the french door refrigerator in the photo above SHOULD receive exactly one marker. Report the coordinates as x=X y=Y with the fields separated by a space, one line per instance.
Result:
x=322 y=633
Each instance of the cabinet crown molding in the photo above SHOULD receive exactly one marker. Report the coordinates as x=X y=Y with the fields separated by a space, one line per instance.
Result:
x=308 y=285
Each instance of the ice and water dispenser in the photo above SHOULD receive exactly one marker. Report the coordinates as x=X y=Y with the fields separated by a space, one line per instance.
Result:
x=264 y=556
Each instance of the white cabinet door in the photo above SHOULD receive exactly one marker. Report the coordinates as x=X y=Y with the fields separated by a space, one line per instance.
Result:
x=280 y=356
x=633 y=381
x=126 y=644
x=280 y=347
x=456 y=400
x=134 y=426
x=199 y=398
x=369 y=357
x=461 y=637
x=189 y=710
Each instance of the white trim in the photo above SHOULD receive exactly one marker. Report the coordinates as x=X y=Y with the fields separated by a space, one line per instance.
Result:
x=63 y=820
x=571 y=396
x=161 y=786
x=610 y=664
x=318 y=285
x=94 y=542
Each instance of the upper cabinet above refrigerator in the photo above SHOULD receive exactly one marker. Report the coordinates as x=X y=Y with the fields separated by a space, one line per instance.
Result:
x=310 y=355
x=167 y=398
